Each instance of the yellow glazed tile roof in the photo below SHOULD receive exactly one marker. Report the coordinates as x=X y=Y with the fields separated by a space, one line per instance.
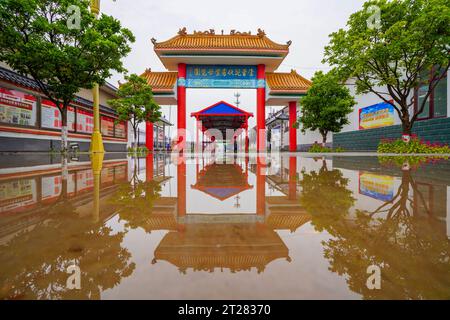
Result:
x=160 y=81
x=209 y=40
x=287 y=82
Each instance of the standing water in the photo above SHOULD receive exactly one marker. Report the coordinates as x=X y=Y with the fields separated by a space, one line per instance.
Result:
x=225 y=227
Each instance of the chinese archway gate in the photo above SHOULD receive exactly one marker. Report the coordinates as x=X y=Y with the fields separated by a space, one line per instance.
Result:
x=235 y=60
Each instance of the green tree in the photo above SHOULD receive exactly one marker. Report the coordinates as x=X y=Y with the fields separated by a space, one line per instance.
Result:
x=135 y=103
x=61 y=45
x=388 y=45
x=326 y=105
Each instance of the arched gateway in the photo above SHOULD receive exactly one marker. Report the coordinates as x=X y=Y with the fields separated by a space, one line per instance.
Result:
x=235 y=60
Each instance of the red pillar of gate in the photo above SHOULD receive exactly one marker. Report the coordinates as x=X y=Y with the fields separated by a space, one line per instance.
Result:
x=292 y=130
x=149 y=135
x=292 y=178
x=261 y=109
x=181 y=107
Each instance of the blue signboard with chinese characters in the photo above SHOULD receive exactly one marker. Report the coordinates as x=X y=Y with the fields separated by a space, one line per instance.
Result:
x=222 y=76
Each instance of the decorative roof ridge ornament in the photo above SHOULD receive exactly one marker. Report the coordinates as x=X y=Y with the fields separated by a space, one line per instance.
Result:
x=261 y=33
x=182 y=31
x=289 y=43
x=148 y=70
x=205 y=33
x=153 y=41
x=239 y=33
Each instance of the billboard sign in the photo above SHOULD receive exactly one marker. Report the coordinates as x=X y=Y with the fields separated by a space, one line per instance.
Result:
x=376 y=116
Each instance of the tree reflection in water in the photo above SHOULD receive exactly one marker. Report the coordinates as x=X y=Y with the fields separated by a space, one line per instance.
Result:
x=136 y=200
x=35 y=260
x=326 y=197
x=413 y=256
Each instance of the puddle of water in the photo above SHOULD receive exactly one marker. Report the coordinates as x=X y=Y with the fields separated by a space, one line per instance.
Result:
x=236 y=227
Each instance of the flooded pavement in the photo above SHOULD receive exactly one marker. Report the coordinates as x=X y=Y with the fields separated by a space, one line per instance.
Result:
x=225 y=227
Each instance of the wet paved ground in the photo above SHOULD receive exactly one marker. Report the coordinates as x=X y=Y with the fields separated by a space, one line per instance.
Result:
x=274 y=227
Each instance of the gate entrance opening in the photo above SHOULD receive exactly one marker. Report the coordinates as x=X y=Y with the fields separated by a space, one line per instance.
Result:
x=221 y=121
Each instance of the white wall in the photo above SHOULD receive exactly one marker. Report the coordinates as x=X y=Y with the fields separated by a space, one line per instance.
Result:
x=362 y=101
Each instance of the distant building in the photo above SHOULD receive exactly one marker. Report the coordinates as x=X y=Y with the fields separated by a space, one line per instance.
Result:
x=160 y=137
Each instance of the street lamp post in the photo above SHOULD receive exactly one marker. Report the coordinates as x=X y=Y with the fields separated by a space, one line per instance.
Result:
x=96 y=138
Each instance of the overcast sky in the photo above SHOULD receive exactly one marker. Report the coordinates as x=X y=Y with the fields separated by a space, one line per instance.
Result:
x=306 y=22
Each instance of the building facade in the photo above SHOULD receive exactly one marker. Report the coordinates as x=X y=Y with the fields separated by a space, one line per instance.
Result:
x=372 y=120
x=30 y=122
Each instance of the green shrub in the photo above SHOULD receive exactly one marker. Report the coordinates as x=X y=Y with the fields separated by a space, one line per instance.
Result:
x=138 y=150
x=414 y=146
x=317 y=148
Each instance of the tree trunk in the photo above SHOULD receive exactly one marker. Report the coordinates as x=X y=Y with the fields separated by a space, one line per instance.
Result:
x=135 y=136
x=324 y=138
x=406 y=128
x=64 y=130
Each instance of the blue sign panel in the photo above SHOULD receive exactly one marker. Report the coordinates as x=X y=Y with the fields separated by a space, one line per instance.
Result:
x=221 y=76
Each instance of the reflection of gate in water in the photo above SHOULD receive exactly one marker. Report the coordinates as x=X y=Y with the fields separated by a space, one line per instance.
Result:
x=236 y=242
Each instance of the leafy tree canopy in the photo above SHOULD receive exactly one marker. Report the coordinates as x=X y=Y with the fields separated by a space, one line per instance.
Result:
x=326 y=105
x=61 y=45
x=135 y=102
x=388 y=45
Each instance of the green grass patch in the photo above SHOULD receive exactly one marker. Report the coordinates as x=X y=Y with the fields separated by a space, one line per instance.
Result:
x=317 y=148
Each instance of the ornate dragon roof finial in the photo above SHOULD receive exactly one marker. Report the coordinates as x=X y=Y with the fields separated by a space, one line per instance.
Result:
x=261 y=32
x=182 y=31
x=205 y=33
x=239 y=33
x=153 y=41
x=148 y=70
x=289 y=42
